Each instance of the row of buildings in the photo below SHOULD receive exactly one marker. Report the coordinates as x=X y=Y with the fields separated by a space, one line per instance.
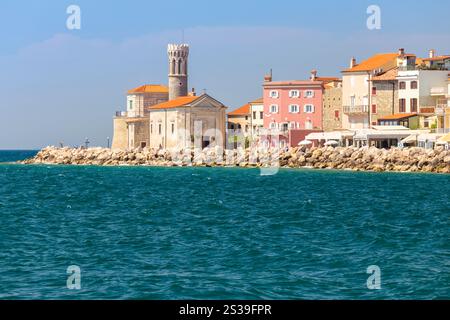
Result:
x=386 y=100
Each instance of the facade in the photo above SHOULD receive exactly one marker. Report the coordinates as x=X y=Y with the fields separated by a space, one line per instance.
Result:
x=239 y=120
x=175 y=124
x=178 y=70
x=357 y=86
x=332 y=104
x=159 y=116
x=384 y=96
x=257 y=116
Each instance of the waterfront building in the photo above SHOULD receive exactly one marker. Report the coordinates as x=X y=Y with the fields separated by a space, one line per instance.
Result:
x=293 y=109
x=358 y=89
x=131 y=126
x=239 y=120
x=332 y=103
x=422 y=89
x=177 y=122
x=158 y=116
x=257 y=116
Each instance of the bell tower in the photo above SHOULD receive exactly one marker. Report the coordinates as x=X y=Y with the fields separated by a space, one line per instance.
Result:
x=178 y=70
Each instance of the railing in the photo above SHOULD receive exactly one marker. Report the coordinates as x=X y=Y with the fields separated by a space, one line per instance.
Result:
x=121 y=114
x=356 y=109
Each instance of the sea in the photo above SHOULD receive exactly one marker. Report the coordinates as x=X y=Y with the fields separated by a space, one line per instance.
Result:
x=90 y=232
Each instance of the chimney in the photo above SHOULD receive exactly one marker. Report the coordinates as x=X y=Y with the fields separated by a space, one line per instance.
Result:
x=192 y=93
x=268 y=77
x=432 y=53
x=401 y=52
x=353 y=62
x=313 y=75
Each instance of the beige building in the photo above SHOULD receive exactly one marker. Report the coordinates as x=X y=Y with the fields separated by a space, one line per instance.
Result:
x=187 y=122
x=158 y=116
x=239 y=120
x=357 y=86
x=131 y=126
x=332 y=103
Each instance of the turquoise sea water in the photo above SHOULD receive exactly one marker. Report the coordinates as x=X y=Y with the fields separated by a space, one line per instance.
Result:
x=225 y=233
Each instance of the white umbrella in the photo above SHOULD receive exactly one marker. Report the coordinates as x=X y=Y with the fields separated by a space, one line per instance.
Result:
x=305 y=143
x=331 y=143
x=441 y=143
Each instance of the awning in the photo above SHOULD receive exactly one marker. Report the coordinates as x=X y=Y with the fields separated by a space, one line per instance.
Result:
x=445 y=138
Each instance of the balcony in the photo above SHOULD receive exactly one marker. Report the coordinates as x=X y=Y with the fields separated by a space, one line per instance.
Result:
x=121 y=114
x=361 y=109
x=438 y=91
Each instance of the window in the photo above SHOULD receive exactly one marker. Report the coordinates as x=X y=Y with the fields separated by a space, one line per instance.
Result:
x=173 y=128
x=293 y=108
x=294 y=94
x=160 y=128
x=130 y=103
x=413 y=84
x=374 y=108
x=308 y=125
x=413 y=103
x=246 y=118
x=254 y=114
x=336 y=114
x=292 y=125
x=309 y=93
x=402 y=105
x=261 y=115
x=274 y=108
x=402 y=85
x=374 y=91
x=273 y=94
x=273 y=125
x=309 y=108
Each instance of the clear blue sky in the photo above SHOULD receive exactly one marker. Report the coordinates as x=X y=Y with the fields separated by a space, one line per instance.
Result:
x=61 y=85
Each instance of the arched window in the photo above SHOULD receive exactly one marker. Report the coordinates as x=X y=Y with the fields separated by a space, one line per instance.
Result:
x=173 y=67
x=179 y=66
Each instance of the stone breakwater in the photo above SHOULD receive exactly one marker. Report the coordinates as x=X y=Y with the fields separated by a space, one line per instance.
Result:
x=341 y=158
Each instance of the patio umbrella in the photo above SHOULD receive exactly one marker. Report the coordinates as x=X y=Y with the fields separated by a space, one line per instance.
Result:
x=331 y=143
x=441 y=143
x=305 y=143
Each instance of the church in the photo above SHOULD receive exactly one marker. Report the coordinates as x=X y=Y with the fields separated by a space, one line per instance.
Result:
x=165 y=117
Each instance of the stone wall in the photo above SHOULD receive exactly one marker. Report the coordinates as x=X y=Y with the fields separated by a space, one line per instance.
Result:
x=332 y=104
x=120 y=133
x=386 y=99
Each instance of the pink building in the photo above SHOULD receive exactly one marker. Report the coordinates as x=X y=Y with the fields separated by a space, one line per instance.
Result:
x=293 y=105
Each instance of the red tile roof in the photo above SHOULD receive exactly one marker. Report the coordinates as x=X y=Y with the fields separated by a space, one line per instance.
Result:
x=242 y=111
x=147 y=88
x=437 y=58
x=374 y=62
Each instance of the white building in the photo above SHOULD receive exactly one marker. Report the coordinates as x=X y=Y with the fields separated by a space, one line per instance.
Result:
x=257 y=116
